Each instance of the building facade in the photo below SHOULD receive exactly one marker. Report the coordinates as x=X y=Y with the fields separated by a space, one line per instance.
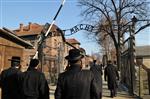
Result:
x=11 y=45
x=143 y=52
x=51 y=51
x=86 y=61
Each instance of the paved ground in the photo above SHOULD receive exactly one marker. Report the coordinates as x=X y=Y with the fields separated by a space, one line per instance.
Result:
x=52 y=90
x=121 y=94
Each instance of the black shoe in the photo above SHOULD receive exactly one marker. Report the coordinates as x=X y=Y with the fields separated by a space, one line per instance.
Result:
x=111 y=96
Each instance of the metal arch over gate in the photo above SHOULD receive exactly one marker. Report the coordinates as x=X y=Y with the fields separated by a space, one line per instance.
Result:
x=79 y=27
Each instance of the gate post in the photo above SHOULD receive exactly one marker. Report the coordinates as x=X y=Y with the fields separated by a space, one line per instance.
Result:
x=132 y=67
x=132 y=56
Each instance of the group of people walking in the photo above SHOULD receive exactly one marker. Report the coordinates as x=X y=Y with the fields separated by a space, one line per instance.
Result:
x=30 y=84
x=73 y=83
x=76 y=83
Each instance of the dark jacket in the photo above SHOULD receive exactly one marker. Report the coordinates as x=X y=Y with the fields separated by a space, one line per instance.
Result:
x=97 y=71
x=111 y=75
x=76 y=84
x=34 y=85
x=9 y=82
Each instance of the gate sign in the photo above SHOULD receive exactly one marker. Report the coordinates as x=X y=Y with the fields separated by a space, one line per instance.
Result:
x=79 y=27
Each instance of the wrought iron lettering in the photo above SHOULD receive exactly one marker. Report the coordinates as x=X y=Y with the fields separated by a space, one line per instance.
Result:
x=89 y=28
x=81 y=27
x=72 y=30
x=76 y=28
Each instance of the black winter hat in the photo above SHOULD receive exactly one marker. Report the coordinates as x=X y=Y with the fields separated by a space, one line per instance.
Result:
x=15 y=59
x=74 y=54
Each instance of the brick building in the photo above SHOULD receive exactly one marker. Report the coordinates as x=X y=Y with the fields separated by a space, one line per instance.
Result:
x=52 y=47
x=76 y=44
x=11 y=45
x=70 y=44
x=143 y=52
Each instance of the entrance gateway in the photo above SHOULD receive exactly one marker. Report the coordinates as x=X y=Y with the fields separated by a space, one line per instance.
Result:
x=79 y=27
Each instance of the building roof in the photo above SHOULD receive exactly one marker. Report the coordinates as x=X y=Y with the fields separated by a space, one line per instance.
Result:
x=143 y=51
x=32 y=29
x=72 y=41
x=36 y=29
x=9 y=35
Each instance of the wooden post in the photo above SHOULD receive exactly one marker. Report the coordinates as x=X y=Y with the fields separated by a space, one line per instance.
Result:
x=148 y=73
x=139 y=63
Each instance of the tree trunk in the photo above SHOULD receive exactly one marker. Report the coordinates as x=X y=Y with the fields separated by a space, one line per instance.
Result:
x=118 y=57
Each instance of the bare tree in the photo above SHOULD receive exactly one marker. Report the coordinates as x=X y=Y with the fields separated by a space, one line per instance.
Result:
x=117 y=15
x=104 y=40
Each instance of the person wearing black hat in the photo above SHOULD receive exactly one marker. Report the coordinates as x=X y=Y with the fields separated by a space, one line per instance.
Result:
x=10 y=80
x=34 y=83
x=111 y=75
x=76 y=83
x=97 y=71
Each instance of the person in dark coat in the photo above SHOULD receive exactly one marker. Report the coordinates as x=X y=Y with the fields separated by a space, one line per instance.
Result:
x=111 y=76
x=97 y=71
x=9 y=80
x=34 y=84
x=76 y=83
